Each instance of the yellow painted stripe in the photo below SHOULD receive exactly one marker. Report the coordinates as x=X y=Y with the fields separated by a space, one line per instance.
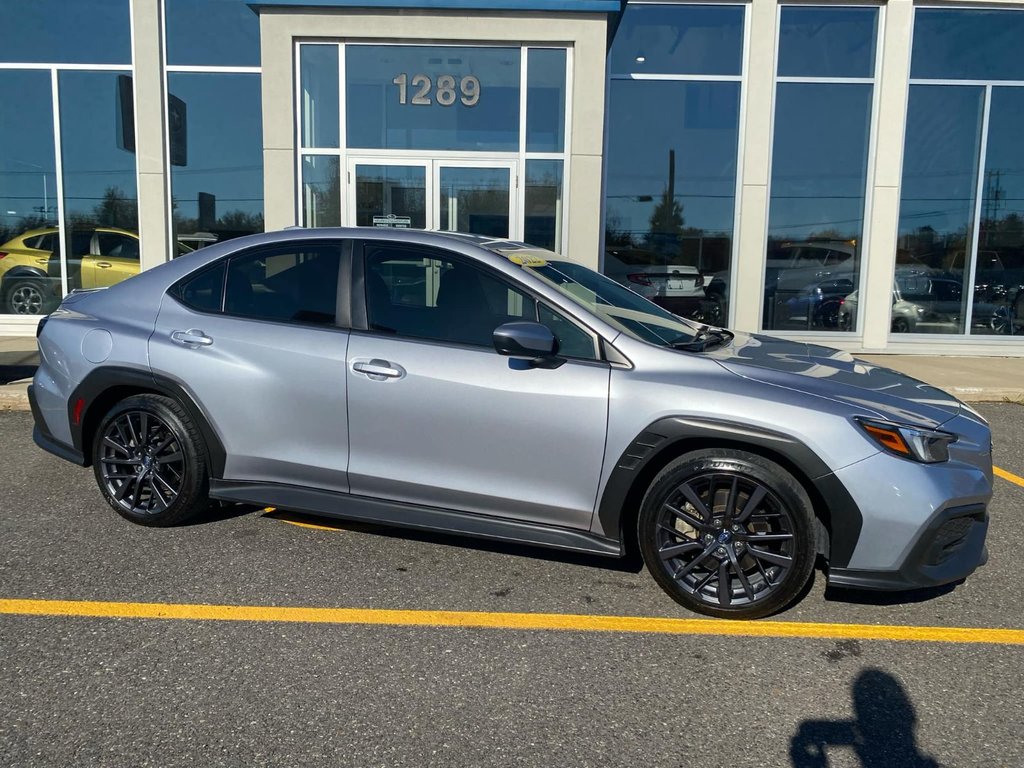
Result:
x=1017 y=479
x=299 y=520
x=521 y=621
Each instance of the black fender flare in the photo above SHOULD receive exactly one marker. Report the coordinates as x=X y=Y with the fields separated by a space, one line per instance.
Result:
x=99 y=390
x=844 y=517
x=23 y=271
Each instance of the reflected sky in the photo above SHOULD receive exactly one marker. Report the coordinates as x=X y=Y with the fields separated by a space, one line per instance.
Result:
x=212 y=32
x=28 y=183
x=699 y=121
x=827 y=42
x=225 y=143
x=819 y=159
x=63 y=32
x=968 y=44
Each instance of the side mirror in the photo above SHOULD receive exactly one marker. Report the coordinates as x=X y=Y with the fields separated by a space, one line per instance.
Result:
x=533 y=342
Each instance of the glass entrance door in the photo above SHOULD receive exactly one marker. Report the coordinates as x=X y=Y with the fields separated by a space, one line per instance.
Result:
x=473 y=196
x=475 y=199
x=389 y=196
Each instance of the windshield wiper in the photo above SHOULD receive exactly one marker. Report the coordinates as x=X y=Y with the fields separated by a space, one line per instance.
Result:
x=705 y=338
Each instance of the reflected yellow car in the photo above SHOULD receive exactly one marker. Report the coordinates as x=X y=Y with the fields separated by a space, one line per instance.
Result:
x=30 y=265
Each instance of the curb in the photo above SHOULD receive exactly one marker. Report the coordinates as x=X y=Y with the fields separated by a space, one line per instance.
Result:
x=14 y=397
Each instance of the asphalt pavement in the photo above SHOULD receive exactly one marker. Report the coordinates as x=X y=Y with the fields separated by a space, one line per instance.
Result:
x=133 y=691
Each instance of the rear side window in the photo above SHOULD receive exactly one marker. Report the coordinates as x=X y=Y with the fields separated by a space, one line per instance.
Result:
x=297 y=283
x=205 y=291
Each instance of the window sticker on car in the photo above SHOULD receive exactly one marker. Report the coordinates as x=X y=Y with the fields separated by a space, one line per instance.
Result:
x=527 y=261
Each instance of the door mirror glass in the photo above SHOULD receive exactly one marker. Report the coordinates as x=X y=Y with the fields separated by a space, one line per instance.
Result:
x=532 y=341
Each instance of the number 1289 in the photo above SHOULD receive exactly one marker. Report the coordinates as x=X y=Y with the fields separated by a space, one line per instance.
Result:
x=444 y=91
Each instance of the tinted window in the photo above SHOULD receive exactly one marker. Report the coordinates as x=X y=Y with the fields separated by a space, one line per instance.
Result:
x=959 y=44
x=428 y=295
x=679 y=39
x=291 y=284
x=204 y=291
x=573 y=341
x=117 y=246
x=79 y=32
x=212 y=32
x=827 y=42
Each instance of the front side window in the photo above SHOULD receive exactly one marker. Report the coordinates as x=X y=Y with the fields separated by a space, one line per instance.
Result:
x=426 y=294
x=297 y=283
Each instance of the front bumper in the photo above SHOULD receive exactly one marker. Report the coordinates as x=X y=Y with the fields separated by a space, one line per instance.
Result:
x=950 y=547
x=42 y=437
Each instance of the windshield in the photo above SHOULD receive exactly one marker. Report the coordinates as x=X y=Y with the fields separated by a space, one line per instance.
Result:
x=616 y=305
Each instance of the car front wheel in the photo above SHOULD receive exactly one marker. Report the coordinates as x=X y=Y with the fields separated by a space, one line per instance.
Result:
x=728 y=533
x=150 y=461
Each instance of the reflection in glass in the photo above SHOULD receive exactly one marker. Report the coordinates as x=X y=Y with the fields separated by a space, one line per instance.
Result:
x=999 y=261
x=212 y=33
x=29 y=275
x=679 y=39
x=543 y=216
x=816 y=213
x=220 y=190
x=318 y=74
x=321 y=191
x=545 y=100
x=940 y=176
x=432 y=97
x=100 y=199
x=62 y=32
x=827 y=42
x=959 y=44
x=670 y=192
x=391 y=196
x=475 y=200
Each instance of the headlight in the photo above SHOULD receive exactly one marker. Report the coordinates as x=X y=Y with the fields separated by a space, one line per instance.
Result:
x=928 y=446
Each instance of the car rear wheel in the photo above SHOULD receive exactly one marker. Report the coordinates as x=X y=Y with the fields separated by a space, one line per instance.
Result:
x=728 y=533
x=150 y=461
x=25 y=297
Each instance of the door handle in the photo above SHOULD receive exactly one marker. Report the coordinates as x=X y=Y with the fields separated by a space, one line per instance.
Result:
x=378 y=370
x=104 y=264
x=191 y=338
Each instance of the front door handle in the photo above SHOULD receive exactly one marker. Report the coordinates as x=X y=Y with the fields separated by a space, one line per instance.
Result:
x=378 y=370
x=191 y=338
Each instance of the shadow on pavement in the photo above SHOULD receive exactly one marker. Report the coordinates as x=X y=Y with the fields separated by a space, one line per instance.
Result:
x=630 y=564
x=873 y=597
x=881 y=733
x=9 y=373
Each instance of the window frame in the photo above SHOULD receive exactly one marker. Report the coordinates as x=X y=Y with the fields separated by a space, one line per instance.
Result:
x=360 y=321
x=342 y=297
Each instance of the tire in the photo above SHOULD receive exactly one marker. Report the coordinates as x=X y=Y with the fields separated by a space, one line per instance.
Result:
x=150 y=461
x=695 y=534
x=25 y=297
x=900 y=325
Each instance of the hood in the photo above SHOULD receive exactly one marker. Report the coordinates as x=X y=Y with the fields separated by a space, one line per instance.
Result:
x=837 y=375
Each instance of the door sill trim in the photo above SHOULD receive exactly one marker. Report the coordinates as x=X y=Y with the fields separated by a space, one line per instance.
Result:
x=370 y=510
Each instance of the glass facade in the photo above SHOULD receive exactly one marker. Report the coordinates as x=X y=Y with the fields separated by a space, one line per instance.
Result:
x=820 y=150
x=217 y=186
x=434 y=137
x=452 y=133
x=672 y=155
x=960 y=262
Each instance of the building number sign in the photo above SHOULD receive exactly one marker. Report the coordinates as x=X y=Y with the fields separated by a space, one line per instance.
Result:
x=446 y=90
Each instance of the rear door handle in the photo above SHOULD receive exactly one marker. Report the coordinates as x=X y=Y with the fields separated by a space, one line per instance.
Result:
x=104 y=264
x=378 y=370
x=191 y=338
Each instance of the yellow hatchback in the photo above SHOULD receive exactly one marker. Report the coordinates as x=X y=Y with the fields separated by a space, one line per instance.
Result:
x=30 y=265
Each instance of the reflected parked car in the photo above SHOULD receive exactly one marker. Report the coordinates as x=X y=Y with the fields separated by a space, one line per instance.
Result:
x=905 y=314
x=30 y=269
x=678 y=288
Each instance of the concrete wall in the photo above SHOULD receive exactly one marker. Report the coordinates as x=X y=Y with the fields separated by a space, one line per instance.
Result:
x=586 y=34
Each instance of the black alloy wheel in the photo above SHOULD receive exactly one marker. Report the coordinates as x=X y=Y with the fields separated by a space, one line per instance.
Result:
x=728 y=534
x=149 y=461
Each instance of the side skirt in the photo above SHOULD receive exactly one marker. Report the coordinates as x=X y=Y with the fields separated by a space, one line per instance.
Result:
x=365 y=509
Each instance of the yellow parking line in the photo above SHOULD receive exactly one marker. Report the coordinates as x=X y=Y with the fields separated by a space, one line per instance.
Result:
x=519 y=621
x=1017 y=479
x=299 y=520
